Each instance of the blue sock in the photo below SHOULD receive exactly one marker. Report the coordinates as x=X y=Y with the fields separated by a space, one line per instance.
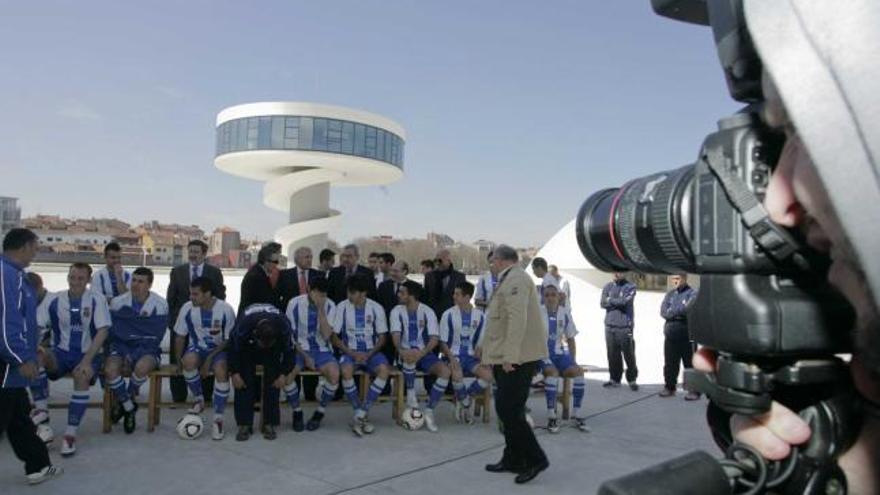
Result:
x=328 y=391
x=550 y=392
x=79 y=401
x=460 y=391
x=437 y=392
x=374 y=392
x=352 y=393
x=292 y=393
x=134 y=384
x=117 y=385
x=221 y=394
x=194 y=383
x=40 y=390
x=477 y=387
x=579 y=389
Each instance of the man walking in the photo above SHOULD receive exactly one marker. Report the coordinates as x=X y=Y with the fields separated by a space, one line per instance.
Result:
x=515 y=343
x=678 y=346
x=617 y=301
x=18 y=355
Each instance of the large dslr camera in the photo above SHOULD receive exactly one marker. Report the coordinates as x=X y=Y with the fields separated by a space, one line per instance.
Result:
x=763 y=304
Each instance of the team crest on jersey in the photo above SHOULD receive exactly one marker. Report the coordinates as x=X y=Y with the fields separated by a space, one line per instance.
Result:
x=215 y=327
x=369 y=319
x=86 y=312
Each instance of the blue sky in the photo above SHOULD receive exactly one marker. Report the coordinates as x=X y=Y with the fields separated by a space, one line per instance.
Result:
x=515 y=111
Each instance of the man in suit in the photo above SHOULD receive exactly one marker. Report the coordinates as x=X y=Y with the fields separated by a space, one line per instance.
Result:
x=387 y=292
x=296 y=281
x=514 y=345
x=178 y=294
x=326 y=261
x=440 y=283
x=348 y=266
x=257 y=285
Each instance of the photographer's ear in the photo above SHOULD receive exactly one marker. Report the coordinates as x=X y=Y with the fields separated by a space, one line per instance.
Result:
x=781 y=201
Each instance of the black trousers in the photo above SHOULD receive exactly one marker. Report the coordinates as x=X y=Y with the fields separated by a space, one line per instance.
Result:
x=244 y=398
x=15 y=420
x=178 y=384
x=521 y=447
x=621 y=347
x=675 y=351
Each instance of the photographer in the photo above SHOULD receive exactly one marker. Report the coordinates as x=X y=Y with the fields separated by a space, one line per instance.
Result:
x=820 y=89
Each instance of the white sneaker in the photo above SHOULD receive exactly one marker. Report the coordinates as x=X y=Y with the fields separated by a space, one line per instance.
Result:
x=429 y=421
x=553 y=425
x=459 y=412
x=357 y=426
x=217 y=431
x=39 y=416
x=45 y=432
x=367 y=426
x=47 y=473
x=469 y=414
x=197 y=407
x=581 y=424
x=68 y=445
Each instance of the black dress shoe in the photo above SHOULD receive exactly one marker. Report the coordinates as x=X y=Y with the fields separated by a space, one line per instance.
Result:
x=502 y=467
x=530 y=473
x=298 y=424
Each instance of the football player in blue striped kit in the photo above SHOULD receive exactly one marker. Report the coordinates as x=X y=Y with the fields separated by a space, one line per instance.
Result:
x=561 y=360
x=77 y=320
x=486 y=285
x=208 y=322
x=311 y=318
x=415 y=334
x=360 y=330
x=140 y=319
x=112 y=280
x=461 y=332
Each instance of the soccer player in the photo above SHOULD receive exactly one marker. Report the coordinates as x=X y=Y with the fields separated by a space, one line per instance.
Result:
x=360 y=330
x=461 y=331
x=140 y=318
x=561 y=344
x=77 y=320
x=417 y=347
x=208 y=322
x=486 y=285
x=562 y=283
x=112 y=280
x=311 y=318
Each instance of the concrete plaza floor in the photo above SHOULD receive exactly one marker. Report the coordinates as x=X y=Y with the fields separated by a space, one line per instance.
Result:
x=631 y=430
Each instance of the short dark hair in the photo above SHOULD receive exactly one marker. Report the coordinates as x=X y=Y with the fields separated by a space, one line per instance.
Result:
x=539 y=263
x=320 y=284
x=388 y=258
x=112 y=246
x=428 y=264
x=144 y=272
x=79 y=265
x=465 y=287
x=373 y=255
x=18 y=238
x=203 y=283
x=268 y=250
x=200 y=243
x=358 y=283
x=267 y=332
x=413 y=288
x=326 y=254
x=34 y=279
x=491 y=253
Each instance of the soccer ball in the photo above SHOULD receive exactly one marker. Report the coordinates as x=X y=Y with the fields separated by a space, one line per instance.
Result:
x=190 y=426
x=413 y=418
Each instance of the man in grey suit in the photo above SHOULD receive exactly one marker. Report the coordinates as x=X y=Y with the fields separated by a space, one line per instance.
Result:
x=178 y=295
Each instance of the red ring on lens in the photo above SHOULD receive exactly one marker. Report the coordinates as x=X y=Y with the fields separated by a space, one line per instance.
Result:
x=611 y=214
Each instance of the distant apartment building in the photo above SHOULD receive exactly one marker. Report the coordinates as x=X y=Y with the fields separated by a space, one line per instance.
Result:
x=10 y=215
x=224 y=240
x=440 y=240
x=484 y=247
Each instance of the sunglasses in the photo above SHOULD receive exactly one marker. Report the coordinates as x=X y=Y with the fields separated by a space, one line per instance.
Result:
x=275 y=261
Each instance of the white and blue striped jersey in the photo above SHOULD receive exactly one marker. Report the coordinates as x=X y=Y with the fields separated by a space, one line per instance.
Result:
x=560 y=328
x=462 y=331
x=303 y=318
x=419 y=326
x=486 y=286
x=73 y=322
x=207 y=329
x=155 y=304
x=104 y=282
x=360 y=328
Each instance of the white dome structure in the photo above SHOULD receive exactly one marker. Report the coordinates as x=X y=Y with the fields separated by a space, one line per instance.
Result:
x=299 y=150
x=586 y=285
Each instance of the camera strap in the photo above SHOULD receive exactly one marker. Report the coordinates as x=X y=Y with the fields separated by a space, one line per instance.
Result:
x=775 y=240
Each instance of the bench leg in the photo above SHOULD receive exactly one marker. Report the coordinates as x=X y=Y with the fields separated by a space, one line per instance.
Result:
x=107 y=406
x=399 y=398
x=153 y=403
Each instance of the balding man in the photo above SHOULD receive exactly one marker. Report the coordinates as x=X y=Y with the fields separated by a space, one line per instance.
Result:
x=348 y=267
x=293 y=282
x=440 y=283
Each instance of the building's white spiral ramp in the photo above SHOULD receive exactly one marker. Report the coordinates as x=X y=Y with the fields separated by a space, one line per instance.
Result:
x=299 y=150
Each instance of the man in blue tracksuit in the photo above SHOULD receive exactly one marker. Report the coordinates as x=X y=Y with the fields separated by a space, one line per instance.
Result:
x=617 y=301
x=677 y=346
x=18 y=355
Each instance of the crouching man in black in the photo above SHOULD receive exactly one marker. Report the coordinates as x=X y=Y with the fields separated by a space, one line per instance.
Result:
x=261 y=337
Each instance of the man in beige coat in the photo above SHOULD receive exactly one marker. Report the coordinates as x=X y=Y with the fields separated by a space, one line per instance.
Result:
x=515 y=342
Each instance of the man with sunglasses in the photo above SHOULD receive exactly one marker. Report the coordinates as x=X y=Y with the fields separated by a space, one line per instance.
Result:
x=440 y=284
x=257 y=286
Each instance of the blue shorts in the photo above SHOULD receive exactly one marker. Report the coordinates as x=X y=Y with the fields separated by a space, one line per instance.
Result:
x=370 y=366
x=468 y=364
x=561 y=362
x=320 y=357
x=428 y=360
x=67 y=361
x=133 y=354
x=203 y=354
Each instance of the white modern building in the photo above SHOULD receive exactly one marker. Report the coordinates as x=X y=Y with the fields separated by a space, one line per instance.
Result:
x=299 y=150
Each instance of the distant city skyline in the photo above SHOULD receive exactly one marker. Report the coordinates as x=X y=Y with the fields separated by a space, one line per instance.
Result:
x=515 y=111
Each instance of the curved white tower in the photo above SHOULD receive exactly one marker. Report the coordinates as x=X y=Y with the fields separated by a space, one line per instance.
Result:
x=299 y=150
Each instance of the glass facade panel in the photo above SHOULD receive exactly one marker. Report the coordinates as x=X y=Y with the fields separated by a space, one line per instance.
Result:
x=309 y=133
